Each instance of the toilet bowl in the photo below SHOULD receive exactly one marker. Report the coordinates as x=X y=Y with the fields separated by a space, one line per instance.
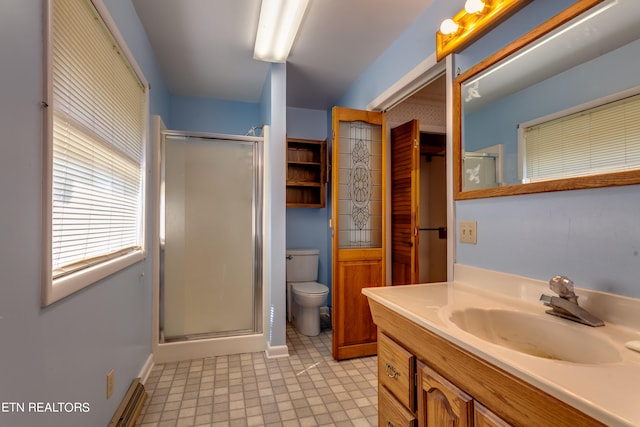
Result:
x=307 y=299
x=305 y=296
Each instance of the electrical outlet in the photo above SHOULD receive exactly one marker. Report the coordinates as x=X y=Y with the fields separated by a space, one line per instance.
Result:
x=468 y=232
x=109 y=384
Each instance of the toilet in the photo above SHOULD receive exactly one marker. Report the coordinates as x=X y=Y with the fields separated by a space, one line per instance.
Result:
x=305 y=295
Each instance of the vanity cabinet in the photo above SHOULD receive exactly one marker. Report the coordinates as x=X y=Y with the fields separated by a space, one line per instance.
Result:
x=412 y=394
x=427 y=381
x=306 y=173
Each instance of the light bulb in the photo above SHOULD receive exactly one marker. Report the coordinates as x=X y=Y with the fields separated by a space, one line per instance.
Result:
x=448 y=26
x=474 y=6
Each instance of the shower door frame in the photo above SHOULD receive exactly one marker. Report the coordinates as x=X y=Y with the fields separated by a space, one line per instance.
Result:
x=257 y=232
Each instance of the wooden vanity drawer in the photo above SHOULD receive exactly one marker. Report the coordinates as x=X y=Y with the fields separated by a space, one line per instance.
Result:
x=396 y=370
x=391 y=413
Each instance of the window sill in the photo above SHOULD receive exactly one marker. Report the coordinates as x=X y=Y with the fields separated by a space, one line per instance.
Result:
x=57 y=289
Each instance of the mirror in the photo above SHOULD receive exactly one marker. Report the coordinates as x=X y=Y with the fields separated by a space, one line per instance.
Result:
x=507 y=108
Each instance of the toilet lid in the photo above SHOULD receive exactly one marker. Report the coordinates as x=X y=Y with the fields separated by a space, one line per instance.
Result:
x=310 y=288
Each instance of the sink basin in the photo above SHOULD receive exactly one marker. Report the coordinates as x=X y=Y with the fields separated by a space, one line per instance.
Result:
x=537 y=335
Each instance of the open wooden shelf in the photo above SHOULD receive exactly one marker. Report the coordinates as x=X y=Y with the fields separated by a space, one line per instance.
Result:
x=306 y=173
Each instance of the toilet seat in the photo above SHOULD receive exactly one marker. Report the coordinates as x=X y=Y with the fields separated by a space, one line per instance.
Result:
x=313 y=288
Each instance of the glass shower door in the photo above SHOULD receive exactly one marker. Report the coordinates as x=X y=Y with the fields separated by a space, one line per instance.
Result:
x=210 y=263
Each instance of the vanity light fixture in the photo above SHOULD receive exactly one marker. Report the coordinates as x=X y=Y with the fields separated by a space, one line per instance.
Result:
x=277 y=28
x=476 y=18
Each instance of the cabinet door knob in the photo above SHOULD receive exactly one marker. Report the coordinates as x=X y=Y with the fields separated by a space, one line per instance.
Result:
x=390 y=424
x=391 y=371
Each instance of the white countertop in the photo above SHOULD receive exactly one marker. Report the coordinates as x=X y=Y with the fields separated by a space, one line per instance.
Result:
x=609 y=392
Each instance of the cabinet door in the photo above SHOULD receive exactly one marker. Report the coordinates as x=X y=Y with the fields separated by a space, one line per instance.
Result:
x=483 y=417
x=441 y=403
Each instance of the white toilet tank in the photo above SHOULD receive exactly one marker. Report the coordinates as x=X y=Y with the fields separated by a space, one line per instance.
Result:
x=302 y=265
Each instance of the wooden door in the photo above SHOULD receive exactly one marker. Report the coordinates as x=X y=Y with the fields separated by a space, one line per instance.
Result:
x=358 y=227
x=405 y=203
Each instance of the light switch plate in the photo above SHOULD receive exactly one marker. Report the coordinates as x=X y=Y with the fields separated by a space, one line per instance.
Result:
x=468 y=232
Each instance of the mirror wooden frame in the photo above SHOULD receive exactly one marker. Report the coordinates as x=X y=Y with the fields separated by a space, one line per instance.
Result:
x=593 y=181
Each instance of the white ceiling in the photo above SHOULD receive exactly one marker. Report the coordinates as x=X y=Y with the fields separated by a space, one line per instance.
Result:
x=205 y=47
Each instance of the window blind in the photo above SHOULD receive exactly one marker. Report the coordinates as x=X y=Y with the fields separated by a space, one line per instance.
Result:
x=99 y=110
x=602 y=139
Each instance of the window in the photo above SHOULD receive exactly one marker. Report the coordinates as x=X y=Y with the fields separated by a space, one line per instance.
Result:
x=601 y=137
x=95 y=150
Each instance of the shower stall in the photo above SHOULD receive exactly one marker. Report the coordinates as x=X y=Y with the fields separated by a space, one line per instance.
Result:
x=209 y=245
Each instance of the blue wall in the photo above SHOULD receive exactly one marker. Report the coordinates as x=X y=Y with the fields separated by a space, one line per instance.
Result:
x=307 y=227
x=265 y=101
x=213 y=115
x=62 y=352
x=590 y=235
x=412 y=47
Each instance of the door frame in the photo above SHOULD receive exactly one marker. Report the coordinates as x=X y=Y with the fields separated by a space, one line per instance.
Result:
x=412 y=81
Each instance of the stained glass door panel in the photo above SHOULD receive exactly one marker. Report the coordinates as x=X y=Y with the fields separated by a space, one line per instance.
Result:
x=360 y=189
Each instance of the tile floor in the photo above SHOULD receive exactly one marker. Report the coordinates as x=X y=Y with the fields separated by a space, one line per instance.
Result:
x=308 y=388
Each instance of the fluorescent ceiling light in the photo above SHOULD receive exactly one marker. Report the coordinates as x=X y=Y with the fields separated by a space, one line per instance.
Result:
x=278 y=26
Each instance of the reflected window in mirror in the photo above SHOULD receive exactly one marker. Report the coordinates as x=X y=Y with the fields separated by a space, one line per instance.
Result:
x=598 y=139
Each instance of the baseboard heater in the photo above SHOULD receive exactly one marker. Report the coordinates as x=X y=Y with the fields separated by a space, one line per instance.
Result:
x=129 y=410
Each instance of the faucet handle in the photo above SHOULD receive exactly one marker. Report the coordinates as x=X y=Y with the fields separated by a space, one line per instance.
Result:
x=563 y=286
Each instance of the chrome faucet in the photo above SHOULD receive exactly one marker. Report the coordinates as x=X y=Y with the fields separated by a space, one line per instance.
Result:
x=565 y=305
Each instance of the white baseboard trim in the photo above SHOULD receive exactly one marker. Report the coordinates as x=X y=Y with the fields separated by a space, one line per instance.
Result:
x=146 y=369
x=276 y=351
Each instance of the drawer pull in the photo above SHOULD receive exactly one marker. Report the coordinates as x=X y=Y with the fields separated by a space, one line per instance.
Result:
x=391 y=371
x=390 y=424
